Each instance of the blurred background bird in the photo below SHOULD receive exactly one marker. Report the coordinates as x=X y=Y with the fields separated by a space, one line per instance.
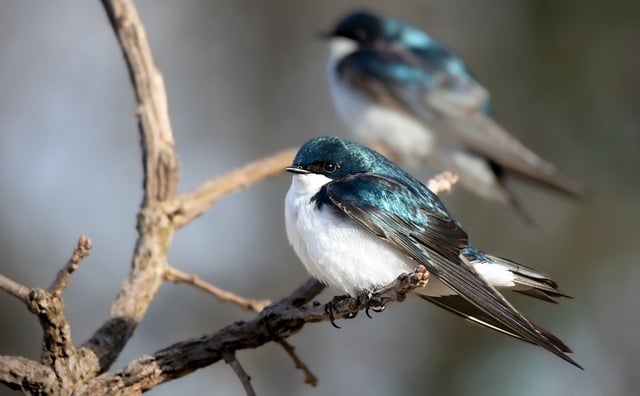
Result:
x=396 y=86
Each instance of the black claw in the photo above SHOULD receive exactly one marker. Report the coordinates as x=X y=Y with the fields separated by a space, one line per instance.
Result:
x=373 y=303
x=329 y=309
x=368 y=306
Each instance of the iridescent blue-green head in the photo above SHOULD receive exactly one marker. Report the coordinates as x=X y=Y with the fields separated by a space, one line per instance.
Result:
x=365 y=28
x=334 y=158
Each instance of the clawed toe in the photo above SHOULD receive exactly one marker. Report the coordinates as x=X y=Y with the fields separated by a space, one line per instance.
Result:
x=372 y=303
x=330 y=310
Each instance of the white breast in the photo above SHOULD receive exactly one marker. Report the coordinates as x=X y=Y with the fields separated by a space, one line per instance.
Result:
x=335 y=250
x=373 y=123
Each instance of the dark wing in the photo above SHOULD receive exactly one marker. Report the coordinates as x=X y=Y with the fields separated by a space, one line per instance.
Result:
x=414 y=221
x=404 y=79
x=458 y=305
x=435 y=87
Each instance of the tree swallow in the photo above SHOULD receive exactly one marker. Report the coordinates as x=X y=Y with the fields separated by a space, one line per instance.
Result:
x=398 y=87
x=357 y=221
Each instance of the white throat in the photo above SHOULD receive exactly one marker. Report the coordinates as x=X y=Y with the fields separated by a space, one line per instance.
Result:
x=339 y=47
x=307 y=185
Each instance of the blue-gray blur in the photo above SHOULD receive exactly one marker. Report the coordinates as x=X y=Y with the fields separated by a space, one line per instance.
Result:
x=247 y=78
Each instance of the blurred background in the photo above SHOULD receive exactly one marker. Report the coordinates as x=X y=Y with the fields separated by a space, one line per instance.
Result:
x=245 y=79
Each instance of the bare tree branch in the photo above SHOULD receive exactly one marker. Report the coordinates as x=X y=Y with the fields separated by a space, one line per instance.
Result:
x=309 y=377
x=192 y=204
x=160 y=168
x=82 y=250
x=57 y=343
x=175 y=275
x=26 y=375
x=12 y=287
x=160 y=161
x=57 y=347
x=245 y=379
x=277 y=321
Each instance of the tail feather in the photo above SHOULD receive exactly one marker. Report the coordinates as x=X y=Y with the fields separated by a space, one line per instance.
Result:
x=479 y=133
x=458 y=305
x=531 y=282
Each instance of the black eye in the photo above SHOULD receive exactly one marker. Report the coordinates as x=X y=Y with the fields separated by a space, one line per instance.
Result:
x=329 y=167
x=361 y=34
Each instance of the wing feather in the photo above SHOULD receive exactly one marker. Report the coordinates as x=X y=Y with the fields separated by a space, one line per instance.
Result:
x=450 y=102
x=416 y=223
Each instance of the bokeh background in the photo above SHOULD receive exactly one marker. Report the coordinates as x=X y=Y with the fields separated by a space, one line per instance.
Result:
x=245 y=79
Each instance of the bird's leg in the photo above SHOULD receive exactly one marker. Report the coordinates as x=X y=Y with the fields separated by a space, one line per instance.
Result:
x=331 y=309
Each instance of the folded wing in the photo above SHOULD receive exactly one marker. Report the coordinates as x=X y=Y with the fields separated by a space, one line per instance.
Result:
x=416 y=223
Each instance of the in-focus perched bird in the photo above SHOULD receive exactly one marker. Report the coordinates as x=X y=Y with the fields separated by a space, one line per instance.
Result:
x=396 y=86
x=357 y=221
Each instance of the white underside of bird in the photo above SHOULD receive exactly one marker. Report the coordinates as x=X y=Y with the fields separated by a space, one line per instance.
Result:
x=345 y=256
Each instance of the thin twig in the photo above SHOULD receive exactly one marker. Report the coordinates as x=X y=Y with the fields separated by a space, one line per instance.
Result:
x=442 y=182
x=82 y=250
x=177 y=276
x=245 y=379
x=309 y=377
x=193 y=203
x=17 y=290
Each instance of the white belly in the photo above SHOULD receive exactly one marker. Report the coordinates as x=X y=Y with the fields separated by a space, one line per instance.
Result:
x=371 y=123
x=335 y=250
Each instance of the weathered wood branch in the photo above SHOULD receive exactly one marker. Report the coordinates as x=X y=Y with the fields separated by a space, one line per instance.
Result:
x=278 y=321
x=160 y=170
x=30 y=377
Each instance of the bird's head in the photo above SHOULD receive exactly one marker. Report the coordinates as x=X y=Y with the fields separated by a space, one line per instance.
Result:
x=365 y=28
x=333 y=158
x=361 y=27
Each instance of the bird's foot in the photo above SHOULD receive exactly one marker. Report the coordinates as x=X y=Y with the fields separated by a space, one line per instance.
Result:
x=372 y=302
x=331 y=309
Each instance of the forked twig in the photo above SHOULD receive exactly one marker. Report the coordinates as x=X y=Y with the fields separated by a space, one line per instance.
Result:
x=82 y=250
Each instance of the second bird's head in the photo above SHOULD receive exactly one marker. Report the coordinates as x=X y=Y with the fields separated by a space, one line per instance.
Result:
x=365 y=28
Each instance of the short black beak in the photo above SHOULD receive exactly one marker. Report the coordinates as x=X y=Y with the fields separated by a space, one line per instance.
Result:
x=297 y=169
